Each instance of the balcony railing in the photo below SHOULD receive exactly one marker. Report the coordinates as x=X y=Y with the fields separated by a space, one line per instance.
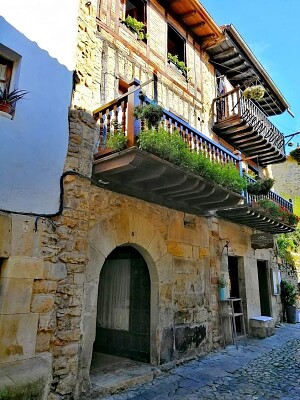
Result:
x=115 y=116
x=241 y=123
x=136 y=173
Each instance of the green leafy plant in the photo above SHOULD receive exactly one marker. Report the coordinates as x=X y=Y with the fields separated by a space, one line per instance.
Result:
x=117 y=141
x=136 y=26
x=222 y=282
x=260 y=187
x=179 y=64
x=278 y=212
x=295 y=154
x=255 y=92
x=287 y=244
x=10 y=98
x=288 y=293
x=172 y=147
x=152 y=113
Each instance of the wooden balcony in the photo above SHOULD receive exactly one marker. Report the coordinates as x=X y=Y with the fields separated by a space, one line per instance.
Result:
x=145 y=176
x=242 y=124
x=137 y=173
x=255 y=218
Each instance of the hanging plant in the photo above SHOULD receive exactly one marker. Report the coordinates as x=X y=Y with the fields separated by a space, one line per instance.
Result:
x=295 y=154
x=152 y=113
x=256 y=92
x=261 y=186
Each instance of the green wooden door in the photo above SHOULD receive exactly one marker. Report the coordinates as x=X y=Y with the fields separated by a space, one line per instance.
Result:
x=123 y=320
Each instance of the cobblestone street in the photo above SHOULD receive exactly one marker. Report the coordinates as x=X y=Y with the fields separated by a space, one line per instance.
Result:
x=264 y=369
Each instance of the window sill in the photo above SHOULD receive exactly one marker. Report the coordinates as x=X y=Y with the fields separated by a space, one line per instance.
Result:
x=5 y=115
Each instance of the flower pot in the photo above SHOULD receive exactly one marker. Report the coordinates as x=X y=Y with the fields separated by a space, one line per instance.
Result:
x=6 y=108
x=291 y=314
x=222 y=293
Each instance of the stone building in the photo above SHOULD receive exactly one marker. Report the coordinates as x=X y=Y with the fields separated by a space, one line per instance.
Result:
x=122 y=252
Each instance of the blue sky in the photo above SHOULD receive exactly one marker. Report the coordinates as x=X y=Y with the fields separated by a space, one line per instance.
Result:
x=271 y=28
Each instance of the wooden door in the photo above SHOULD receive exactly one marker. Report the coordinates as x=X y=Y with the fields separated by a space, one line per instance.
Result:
x=263 y=283
x=123 y=321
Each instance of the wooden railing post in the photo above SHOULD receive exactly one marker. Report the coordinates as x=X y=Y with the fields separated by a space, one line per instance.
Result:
x=133 y=126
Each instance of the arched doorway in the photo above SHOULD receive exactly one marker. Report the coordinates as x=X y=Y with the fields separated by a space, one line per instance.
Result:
x=123 y=308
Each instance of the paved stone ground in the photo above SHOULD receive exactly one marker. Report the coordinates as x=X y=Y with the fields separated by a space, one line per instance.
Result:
x=264 y=369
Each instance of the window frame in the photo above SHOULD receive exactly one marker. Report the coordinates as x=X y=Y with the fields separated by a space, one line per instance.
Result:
x=183 y=40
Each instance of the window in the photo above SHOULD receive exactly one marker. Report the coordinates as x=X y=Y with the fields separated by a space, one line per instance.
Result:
x=176 y=44
x=136 y=9
x=6 y=67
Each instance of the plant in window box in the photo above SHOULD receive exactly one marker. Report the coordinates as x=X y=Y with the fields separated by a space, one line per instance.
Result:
x=136 y=26
x=180 y=65
x=261 y=186
x=9 y=99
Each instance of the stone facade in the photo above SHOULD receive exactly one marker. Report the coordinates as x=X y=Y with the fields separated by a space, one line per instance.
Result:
x=51 y=266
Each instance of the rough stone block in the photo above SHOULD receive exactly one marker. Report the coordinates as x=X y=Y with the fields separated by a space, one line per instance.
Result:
x=30 y=376
x=15 y=295
x=43 y=342
x=262 y=326
x=42 y=303
x=22 y=267
x=166 y=351
x=188 y=337
x=5 y=235
x=55 y=271
x=17 y=336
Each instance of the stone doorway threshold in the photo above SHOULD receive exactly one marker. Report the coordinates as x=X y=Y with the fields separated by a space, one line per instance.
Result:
x=109 y=374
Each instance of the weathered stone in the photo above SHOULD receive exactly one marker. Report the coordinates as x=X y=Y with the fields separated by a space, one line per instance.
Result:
x=10 y=303
x=43 y=286
x=54 y=271
x=42 y=342
x=5 y=235
x=22 y=267
x=17 y=336
x=42 y=303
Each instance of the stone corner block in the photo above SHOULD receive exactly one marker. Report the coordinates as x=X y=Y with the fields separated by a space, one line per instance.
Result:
x=22 y=267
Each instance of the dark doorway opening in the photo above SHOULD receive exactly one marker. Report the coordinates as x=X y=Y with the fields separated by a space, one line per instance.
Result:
x=263 y=284
x=123 y=312
x=234 y=290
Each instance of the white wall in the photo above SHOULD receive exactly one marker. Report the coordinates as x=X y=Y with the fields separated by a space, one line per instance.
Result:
x=34 y=144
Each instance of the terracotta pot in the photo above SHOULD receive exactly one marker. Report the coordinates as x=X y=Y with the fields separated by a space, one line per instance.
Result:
x=5 y=107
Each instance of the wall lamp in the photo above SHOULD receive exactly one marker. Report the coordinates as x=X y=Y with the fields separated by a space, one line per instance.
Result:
x=88 y=3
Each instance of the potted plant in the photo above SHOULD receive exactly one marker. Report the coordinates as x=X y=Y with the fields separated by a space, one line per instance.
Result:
x=288 y=296
x=255 y=92
x=9 y=99
x=151 y=113
x=116 y=141
x=261 y=186
x=222 y=284
x=136 y=26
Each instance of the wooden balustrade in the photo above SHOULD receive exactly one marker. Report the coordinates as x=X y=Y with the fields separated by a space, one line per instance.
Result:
x=244 y=125
x=115 y=117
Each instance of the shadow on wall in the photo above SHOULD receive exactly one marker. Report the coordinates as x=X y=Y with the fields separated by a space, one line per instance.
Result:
x=34 y=144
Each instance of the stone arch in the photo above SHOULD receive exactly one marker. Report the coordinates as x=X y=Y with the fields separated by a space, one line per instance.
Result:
x=106 y=235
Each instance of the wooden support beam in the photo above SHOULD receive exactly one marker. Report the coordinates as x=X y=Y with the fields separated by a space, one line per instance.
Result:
x=196 y=26
x=187 y=15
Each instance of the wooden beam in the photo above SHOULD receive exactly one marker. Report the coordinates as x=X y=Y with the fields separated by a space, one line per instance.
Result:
x=224 y=54
x=196 y=26
x=187 y=15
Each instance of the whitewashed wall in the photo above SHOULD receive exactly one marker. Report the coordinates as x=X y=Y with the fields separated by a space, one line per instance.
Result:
x=34 y=144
